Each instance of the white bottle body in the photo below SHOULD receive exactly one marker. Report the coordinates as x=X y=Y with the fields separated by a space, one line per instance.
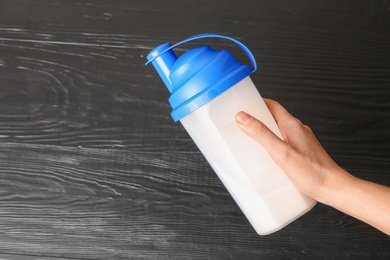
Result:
x=265 y=195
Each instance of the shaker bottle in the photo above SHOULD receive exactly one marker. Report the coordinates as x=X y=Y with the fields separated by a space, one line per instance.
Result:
x=208 y=88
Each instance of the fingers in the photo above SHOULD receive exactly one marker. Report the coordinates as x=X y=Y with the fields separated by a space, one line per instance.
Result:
x=279 y=113
x=260 y=133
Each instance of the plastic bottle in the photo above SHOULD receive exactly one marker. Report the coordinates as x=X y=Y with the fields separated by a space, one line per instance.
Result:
x=208 y=88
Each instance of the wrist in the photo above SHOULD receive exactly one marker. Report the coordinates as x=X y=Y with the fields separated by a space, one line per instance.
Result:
x=333 y=186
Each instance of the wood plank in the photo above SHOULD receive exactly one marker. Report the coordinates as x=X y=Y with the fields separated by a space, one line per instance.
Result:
x=71 y=202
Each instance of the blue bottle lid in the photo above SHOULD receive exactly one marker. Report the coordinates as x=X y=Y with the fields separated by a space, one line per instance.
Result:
x=199 y=75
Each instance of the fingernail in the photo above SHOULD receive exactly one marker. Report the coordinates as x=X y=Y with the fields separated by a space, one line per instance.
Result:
x=243 y=118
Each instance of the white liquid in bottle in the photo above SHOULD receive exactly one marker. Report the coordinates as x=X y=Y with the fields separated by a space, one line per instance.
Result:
x=263 y=192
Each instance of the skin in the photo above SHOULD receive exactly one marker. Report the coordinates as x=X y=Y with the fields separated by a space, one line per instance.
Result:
x=306 y=163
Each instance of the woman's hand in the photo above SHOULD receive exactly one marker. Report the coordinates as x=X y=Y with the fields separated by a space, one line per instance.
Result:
x=299 y=154
x=305 y=162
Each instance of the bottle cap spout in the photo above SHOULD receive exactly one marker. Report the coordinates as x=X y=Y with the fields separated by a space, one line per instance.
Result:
x=162 y=59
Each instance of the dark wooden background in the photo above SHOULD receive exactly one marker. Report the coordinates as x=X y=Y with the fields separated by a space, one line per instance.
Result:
x=92 y=166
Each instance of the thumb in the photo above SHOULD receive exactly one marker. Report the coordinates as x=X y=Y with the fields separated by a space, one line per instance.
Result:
x=261 y=134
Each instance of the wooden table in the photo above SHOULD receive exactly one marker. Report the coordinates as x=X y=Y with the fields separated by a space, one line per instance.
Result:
x=93 y=167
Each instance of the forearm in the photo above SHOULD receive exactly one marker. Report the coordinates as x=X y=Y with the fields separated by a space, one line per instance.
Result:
x=361 y=199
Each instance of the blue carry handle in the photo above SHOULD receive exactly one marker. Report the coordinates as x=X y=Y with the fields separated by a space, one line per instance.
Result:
x=212 y=35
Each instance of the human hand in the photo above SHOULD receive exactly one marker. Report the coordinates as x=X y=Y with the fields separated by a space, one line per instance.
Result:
x=301 y=157
x=306 y=163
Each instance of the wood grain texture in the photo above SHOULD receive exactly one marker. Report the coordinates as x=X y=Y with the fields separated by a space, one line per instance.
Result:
x=92 y=166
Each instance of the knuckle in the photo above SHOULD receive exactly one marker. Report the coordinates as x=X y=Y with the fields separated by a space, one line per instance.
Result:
x=260 y=130
x=308 y=128
x=292 y=123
